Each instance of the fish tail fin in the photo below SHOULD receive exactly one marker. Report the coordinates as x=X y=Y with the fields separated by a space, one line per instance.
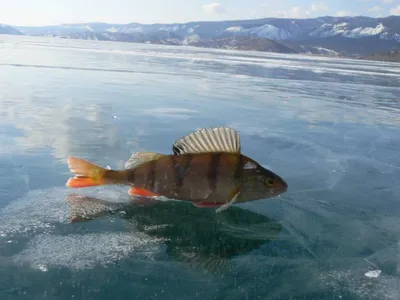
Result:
x=86 y=173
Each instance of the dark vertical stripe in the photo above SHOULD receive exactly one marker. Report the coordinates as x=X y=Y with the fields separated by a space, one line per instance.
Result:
x=173 y=160
x=239 y=169
x=131 y=176
x=173 y=163
x=213 y=170
x=152 y=175
x=180 y=166
x=181 y=171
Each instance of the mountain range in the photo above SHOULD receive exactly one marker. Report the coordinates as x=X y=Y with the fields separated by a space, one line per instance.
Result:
x=336 y=36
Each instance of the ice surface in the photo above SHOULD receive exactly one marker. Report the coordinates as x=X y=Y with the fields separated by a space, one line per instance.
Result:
x=40 y=213
x=83 y=251
x=330 y=127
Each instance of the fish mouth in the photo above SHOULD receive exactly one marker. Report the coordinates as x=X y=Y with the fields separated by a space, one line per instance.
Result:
x=277 y=192
x=281 y=188
x=284 y=186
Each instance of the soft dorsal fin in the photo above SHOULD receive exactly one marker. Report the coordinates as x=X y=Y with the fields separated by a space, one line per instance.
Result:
x=219 y=139
x=139 y=158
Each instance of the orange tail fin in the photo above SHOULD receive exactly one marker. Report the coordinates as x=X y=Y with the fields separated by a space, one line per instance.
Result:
x=86 y=173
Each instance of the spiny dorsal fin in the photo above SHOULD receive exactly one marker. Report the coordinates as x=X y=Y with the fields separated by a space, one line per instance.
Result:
x=219 y=139
x=139 y=158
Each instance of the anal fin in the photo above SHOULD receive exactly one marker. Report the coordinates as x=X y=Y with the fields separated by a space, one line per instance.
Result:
x=141 y=192
x=206 y=204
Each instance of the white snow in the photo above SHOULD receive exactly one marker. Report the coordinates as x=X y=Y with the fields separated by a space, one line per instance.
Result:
x=326 y=50
x=270 y=31
x=388 y=36
x=341 y=27
x=112 y=29
x=191 y=39
x=132 y=30
x=108 y=36
x=170 y=28
x=396 y=36
x=235 y=29
x=327 y=30
x=265 y=31
x=366 y=31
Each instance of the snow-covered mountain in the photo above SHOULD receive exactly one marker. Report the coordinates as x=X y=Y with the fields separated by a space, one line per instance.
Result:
x=356 y=28
x=246 y=43
x=345 y=35
x=5 y=29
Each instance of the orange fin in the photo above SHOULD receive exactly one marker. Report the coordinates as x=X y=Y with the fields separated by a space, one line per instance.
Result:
x=206 y=204
x=86 y=173
x=141 y=192
x=77 y=182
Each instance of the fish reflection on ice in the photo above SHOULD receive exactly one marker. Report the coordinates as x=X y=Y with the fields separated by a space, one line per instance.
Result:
x=47 y=229
x=198 y=237
x=37 y=228
x=42 y=210
x=51 y=228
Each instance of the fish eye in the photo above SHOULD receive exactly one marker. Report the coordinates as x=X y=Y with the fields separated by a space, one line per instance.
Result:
x=269 y=182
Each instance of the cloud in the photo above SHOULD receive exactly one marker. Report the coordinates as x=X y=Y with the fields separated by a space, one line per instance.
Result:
x=344 y=13
x=294 y=12
x=375 y=9
x=214 y=8
x=316 y=7
x=395 y=11
x=387 y=1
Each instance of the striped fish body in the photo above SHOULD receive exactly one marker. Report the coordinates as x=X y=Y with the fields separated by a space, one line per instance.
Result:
x=205 y=177
x=202 y=177
x=206 y=167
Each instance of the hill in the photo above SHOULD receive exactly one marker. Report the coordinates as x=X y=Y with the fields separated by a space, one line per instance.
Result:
x=337 y=36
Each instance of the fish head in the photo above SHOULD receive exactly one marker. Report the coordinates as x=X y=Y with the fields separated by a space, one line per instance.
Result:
x=259 y=183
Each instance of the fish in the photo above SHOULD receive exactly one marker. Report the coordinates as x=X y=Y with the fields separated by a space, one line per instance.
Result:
x=206 y=168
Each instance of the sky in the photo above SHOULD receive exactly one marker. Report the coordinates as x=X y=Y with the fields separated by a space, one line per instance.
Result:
x=51 y=12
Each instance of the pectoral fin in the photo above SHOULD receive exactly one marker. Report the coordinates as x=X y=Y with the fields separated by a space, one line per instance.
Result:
x=226 y=205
